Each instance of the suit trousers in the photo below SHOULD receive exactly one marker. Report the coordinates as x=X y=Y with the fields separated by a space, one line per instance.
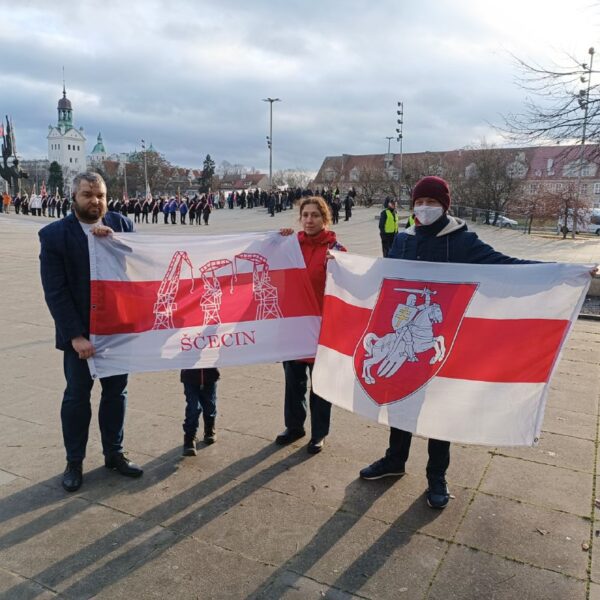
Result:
x=76 y=410
x=296 y=384
x=439 y=453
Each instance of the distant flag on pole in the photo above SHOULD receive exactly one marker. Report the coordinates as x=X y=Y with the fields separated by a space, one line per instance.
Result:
x=1 y=129
x=11 y=132
x=43 y=191
x=148 y=193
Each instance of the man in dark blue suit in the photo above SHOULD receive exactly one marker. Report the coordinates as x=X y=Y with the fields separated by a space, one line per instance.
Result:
x=65 y=270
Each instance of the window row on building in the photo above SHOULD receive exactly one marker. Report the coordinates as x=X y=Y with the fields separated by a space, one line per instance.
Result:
x=533 y=188
x=74 y=147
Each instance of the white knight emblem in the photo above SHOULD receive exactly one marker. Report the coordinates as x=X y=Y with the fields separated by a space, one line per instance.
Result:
x=412 y=334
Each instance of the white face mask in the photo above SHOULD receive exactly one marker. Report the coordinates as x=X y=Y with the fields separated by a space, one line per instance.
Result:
x=428 y=214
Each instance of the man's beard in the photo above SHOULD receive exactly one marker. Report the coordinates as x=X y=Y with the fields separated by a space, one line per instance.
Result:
x=86 y=216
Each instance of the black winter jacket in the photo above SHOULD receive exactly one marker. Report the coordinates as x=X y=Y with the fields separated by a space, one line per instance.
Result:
x=65 y=271
x=199 y=376
x=447 y=240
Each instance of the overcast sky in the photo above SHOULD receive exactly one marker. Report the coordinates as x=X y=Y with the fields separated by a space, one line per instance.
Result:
x=189 y=76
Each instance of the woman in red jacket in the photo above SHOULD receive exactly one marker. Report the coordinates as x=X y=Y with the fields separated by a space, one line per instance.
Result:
x=315 y=242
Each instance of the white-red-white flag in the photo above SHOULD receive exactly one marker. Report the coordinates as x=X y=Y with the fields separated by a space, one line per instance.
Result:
x=161 y=302
x=456 y=352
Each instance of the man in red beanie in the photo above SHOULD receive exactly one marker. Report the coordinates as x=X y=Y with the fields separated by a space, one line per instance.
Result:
x=435 y=237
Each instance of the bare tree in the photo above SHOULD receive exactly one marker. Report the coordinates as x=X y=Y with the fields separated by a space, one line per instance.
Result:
x=557 y=201
x=570 y=209
x=301 y=178
x=226 y=168
x=332 y=172
x=417 y=166
x=566 y=108
x=372 y=183
x=539 y=205
x=293 y=178
x=160 y=172
x=493 y=179
x=109 y=169
x=563 y=106
x=391 y=185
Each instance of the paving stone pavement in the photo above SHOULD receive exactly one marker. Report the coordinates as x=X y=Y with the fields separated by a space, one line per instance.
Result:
x=248 y=519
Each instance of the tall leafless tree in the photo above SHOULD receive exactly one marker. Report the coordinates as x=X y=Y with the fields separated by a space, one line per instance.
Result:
x=493 y=179
x=372 y=184
x=562 y=102
x=293 y=178
x=565 y=107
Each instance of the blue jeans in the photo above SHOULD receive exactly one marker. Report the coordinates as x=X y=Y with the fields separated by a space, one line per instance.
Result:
x=296 y=384
x=76 y=409
x=198 y=399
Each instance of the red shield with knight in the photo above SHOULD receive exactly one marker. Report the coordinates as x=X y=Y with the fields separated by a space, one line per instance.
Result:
x=410 y=334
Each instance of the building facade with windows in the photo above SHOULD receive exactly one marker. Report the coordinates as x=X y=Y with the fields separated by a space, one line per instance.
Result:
x=66 y=144
x=540 y=169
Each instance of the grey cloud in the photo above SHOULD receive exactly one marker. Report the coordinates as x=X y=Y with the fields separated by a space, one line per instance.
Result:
x=154 y=70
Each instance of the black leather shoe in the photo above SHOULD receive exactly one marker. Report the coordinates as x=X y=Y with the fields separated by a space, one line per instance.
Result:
x=315 y=446
x=118 y=462
x=73 y=476
x=289 y=436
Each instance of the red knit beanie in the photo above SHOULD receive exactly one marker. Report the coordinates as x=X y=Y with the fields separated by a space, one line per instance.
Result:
x=432 y=187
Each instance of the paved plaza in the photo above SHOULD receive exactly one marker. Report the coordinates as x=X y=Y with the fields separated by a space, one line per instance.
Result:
x=249 y=519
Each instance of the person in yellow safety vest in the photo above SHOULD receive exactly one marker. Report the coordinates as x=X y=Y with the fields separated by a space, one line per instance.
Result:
x=411 y=221
x=388 y=226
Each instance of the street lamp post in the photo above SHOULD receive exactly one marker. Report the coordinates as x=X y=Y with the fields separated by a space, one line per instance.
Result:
x=270 y=138
x=389 y=138
x=584 y=103
x=399 y=124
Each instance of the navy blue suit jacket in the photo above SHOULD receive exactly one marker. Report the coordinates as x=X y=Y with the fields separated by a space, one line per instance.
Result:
x=65 y=271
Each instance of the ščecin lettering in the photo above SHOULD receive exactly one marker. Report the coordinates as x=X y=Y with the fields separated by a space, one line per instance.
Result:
x=213 y=341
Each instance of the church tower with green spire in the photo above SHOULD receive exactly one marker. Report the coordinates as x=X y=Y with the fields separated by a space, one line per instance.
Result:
x=66 y=144
x=65 y=112
x=98 y=154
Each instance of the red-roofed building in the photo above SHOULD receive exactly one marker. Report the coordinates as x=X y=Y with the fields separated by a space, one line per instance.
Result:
x=243 y=182
x=550 y=168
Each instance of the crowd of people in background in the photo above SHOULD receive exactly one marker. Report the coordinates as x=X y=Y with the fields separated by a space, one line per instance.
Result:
x=36 y=205
x=185 y=210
